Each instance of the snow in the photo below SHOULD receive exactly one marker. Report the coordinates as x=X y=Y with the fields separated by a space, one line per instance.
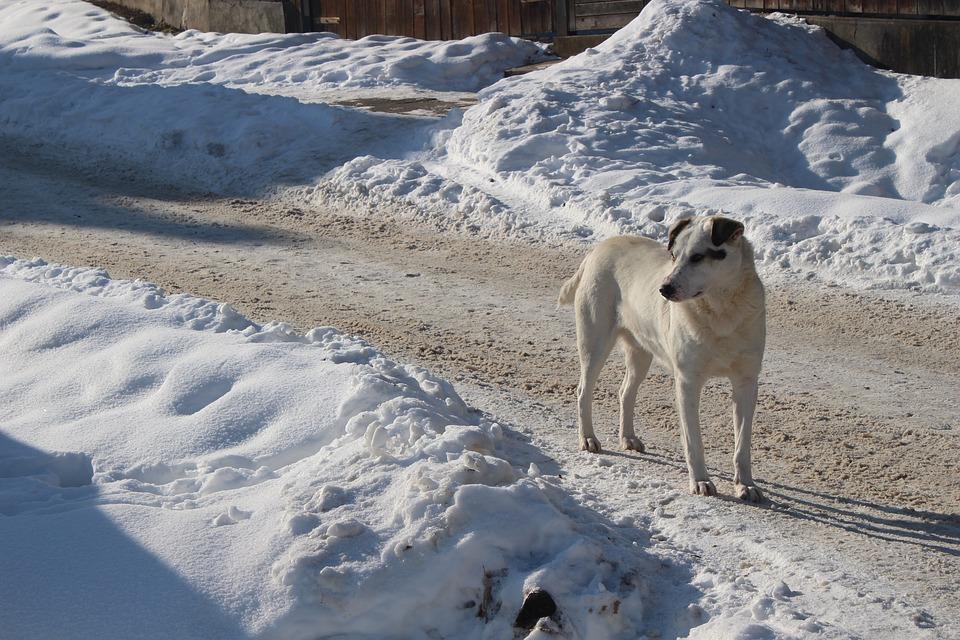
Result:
x=75 y=36
x=696 y=107
x=211 y=112
x=170 y=468
x=846 y=174
x=194 y=474
x=199 y=475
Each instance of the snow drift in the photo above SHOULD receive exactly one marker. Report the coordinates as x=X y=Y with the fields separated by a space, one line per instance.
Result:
x=216 y=112
x=839 y=169
x=197 y=475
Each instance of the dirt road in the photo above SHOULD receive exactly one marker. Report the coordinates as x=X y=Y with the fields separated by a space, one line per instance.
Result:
x=858 y=426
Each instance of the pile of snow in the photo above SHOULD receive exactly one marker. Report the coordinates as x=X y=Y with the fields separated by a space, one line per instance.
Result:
x=319 y=63
x=77 y=37
x=219 y=112
x=839 y=170
x=169 y=468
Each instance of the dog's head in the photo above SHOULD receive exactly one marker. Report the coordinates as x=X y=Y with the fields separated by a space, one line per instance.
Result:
x=707 y=256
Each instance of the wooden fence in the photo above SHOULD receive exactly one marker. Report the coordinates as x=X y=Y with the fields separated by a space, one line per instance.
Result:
x=427 y=19
x=862 y=8
x=545 y=19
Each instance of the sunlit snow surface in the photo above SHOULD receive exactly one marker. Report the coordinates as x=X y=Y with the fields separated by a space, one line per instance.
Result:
x=842 y=172
x=170 y=469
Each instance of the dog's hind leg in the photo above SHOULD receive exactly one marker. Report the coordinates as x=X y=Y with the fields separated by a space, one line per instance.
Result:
x=688 y=403
x=595 y=339
x=744 y=405
x=637 y=362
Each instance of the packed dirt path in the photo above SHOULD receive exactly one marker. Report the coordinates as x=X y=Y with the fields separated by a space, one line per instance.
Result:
x=857 y=431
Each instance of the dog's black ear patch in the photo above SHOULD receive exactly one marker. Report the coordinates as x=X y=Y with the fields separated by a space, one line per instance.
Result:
x=725 y=230
x=675 y=230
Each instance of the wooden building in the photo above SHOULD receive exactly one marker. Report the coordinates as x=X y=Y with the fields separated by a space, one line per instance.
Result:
x=548 y=19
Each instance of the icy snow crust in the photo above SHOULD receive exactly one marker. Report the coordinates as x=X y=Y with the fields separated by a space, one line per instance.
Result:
x=839 y=170
x=195 y=475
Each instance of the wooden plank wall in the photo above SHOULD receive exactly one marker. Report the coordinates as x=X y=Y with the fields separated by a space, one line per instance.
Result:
x=433 y=19
x=539 y=19
x=591 y=15
x=882 y=8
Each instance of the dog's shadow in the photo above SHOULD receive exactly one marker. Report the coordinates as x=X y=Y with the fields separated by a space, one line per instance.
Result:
x=939 y=532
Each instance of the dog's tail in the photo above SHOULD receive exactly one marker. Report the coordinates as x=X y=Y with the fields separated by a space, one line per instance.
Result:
x=569 y=289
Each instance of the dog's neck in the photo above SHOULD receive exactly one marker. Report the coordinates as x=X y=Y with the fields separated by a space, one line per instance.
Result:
x=722 y=311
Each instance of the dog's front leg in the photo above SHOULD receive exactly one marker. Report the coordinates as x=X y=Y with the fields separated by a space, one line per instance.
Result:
x=744 y=406
x=688 y=404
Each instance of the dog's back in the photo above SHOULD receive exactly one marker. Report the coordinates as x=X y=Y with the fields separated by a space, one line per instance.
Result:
x=621 y=261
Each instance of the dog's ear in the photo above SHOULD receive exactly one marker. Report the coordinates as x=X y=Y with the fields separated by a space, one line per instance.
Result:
x=675 y=230
x=725 y=230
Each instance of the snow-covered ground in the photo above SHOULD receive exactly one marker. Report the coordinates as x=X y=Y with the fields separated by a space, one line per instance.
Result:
x=841 y=171
x=170 y=469
x=213 y=112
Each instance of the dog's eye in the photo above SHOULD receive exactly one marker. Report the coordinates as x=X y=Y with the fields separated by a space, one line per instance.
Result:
x=697 y=257
x=717 y=255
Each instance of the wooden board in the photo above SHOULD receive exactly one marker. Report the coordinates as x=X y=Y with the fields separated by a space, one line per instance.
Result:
x=431 y=19
x=615 y=21
x=503 y=16
x=907 y=7
x=516 y=27
x=481 y=17
x=446 y=22
x=454 y=19
x=462 y=18
x=888 y=7
x=347 y=21
x=933 y=7
x=390 y=17
x=606 y=8
x=420 y=19
x=535 y=18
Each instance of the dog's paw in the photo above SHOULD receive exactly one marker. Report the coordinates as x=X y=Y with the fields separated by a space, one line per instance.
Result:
x=702 y=488
x=590 y=444
x=748 y=493
x=632 y=444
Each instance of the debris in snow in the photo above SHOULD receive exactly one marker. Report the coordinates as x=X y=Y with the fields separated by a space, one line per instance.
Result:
x=536 y=604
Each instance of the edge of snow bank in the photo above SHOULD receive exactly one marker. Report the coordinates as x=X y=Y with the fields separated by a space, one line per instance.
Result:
x=406 y=511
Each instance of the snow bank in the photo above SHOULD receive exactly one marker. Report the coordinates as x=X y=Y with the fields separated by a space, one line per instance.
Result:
x=218 y=112
x=78 y=37
x=841 y=172
x=696 y=107
x=196 y=475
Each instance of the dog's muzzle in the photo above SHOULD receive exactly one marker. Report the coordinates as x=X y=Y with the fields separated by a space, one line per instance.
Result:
x=668 y=291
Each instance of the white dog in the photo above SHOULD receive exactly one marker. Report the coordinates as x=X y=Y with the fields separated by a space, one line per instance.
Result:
x=697 y=306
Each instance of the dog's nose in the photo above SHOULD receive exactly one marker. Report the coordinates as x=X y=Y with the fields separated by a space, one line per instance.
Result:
x=667 y=291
